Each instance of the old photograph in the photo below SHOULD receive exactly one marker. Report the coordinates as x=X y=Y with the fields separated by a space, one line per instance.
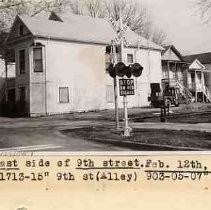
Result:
x=105 y=75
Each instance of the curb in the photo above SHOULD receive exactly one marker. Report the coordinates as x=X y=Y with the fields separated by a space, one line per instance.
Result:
x=142 y=145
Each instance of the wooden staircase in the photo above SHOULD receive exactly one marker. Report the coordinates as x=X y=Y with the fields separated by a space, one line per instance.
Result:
x=185 y=92
x=207 y=94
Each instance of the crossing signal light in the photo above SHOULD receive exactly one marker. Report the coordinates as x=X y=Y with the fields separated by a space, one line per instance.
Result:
x=111 y=70
x=136 y=69
x=128 y=71
x=121 y=70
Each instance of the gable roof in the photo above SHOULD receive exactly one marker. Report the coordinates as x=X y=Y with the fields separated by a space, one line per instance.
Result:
x=196 y=64
x=81 y=29
x=204 y=58
x=173 y=48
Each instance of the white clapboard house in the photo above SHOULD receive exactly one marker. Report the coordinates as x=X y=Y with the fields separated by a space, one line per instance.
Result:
x=61 y=64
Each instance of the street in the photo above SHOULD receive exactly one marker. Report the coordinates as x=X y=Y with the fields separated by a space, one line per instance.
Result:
x=44 y=135
x=95 y=131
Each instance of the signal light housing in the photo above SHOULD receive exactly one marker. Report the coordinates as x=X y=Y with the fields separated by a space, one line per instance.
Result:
x=111 y=70
x=121 y=70
x=136 y=69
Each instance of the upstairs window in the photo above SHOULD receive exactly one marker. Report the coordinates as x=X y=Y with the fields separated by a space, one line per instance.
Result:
x=63 y=95
x=37 y=57
x=22 y=66
x=193 y=77
x=21 y=30
x=130 y=58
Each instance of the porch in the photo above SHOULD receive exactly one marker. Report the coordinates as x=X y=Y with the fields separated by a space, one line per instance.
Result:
x=175 y=76
x=197 y=86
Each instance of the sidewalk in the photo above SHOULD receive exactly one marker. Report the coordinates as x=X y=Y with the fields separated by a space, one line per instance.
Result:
x=204 y=127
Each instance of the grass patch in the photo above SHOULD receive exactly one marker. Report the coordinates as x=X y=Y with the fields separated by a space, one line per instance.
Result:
x=162 y=137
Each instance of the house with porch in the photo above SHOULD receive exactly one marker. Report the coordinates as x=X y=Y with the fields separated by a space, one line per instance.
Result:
x=199 y=76
x=174 y=72
x=60 y=64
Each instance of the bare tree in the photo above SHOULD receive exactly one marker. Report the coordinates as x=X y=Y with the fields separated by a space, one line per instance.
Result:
x=159 y=36
x=77 y=7
x=94 y=8
x=10 y=8
x=204 y=8
x=134 y=14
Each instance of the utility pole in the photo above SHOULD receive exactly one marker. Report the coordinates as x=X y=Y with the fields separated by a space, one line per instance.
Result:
x=6 y=78
x=114 y=61
x=127 y=129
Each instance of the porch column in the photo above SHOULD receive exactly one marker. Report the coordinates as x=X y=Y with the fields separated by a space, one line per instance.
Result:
x=195 y=88
x=6 y=78
x=168 y=68
x=176 y=76
x=203 y=85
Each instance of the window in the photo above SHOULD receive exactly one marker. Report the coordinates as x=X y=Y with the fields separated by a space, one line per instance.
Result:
x=108 y=49
x=199 y=76
x=192 y=77
x=63 y=95
x=179 y=74
x=37 y=56
x=174 y=74
x=21 y=30
x=22 y=94
x=130 y=58
x=22 y=67
x=109 y=94
x=165 y=73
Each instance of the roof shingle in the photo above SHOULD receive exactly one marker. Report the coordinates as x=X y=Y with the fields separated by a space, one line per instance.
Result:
x=204 y=58
x=82 y=29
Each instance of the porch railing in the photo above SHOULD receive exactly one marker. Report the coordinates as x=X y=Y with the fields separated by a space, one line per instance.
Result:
x=192 y=86
x=207 y=94
x=185 y=91
x=11 y=82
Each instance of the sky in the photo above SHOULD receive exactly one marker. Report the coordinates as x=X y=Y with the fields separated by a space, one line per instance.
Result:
x=184 y=28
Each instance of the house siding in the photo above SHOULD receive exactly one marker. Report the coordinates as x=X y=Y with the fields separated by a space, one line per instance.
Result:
x=170 y=55
x=81 y=68
x=207 y=76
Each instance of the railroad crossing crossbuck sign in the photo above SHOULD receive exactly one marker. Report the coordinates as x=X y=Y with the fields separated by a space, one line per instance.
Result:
x=126 y=87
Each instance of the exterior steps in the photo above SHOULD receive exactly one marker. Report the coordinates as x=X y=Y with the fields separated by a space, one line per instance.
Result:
x=207 y=94
x=185 y=92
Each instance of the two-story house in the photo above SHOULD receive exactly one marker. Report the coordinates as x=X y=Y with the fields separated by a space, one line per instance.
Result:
x=174 y=71
x=61 y=64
